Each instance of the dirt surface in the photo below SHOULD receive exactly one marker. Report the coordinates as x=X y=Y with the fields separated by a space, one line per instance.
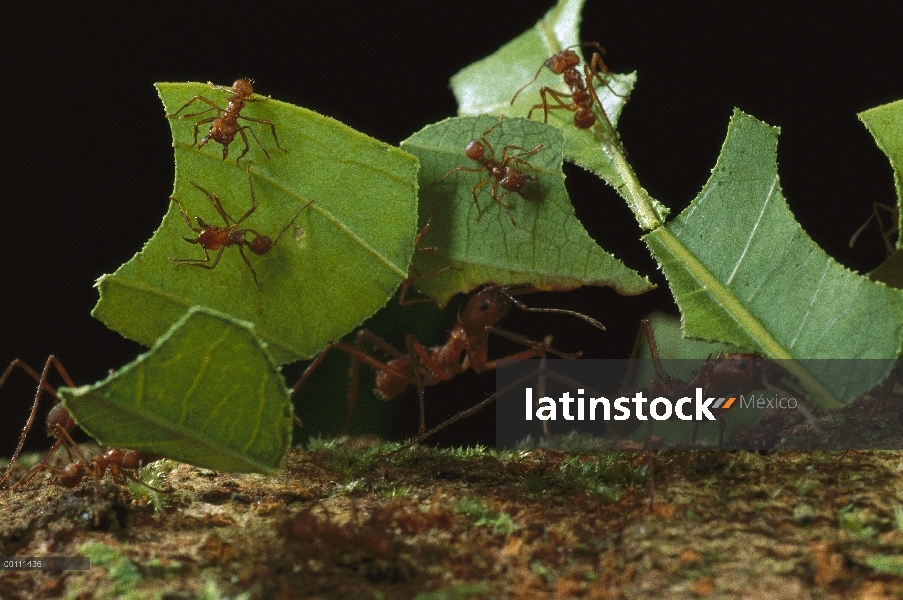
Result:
x=343 y=520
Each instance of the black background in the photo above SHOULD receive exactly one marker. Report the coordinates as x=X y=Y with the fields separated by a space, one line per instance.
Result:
x=88 y=163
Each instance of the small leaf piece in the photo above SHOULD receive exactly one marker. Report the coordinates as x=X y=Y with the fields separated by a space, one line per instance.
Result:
x=206 y=394
x=339 y=261
x=488 y=86
x=549 y=247
x=884 y=123
x=744 y=272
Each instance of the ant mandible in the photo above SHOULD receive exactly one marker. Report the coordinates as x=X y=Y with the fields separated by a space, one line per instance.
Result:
x=511 y=179
x=466 y=348
x=583 y=93
x=59 y=425
x=212 y=237
x=225 y=123
x=886 y=234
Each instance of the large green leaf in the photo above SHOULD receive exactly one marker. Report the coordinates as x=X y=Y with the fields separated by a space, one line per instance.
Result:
x=341 y=260
x=207 y=394
x=744 y=272
x=488 y=86
x=548 y=248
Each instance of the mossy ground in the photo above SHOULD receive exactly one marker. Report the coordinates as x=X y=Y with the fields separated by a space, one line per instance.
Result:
x=343 y=520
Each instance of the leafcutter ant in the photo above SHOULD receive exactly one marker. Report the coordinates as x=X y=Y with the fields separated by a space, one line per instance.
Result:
x=724 y=376
x=886 y=233
x=212 y=237
x=59 y=425
x=466 y=348
x=727 y=375
x=501 y=173
x=225 y=123
x=583 y=93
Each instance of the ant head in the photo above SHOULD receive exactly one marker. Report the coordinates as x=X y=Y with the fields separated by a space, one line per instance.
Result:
x=60 y=418
x=243 y=87
x=475 y=150
x=737 y=370
x=485 y=308
x=564 y=60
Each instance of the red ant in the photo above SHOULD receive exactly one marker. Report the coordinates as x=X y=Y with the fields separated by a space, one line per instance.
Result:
x=583 y=93
x=466 y=348
x=501 y=173
x=886 y=234
x=725 y=375
x=218 y=238
x=225 y=123
x=59 y=425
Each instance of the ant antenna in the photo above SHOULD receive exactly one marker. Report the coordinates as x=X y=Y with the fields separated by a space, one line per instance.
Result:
x=561 y=311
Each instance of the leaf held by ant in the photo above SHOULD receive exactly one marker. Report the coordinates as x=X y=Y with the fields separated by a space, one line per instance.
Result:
x=549 y=247
x=207 y=394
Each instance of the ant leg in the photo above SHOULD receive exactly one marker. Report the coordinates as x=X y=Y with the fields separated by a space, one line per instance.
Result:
x=611 y=126
x=253 y=195
x=503 y=204
x=473 y=192
x=557 y=96
x=190 y=102
x=595 y=69
x=244 y=138
x=42 y=385
x=64 y=438
x=200 y=262
x=272 y=128
x=407 y=283
x=415 y=349
x=653 y=350
x=535 y=349
x=885 y=234
x=455 y=170
x=517 y=157
x=415 y=272
x=250 y=266
x=208 y=136
x=185 y=216
x=215 y=201
x=357 y=354
x=463 y=414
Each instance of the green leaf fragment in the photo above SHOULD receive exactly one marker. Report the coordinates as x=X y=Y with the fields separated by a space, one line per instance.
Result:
x=206 y=394
x=339 y=262
x=885 y=123
x=549 y=247
x=488 y=86
x=744 y=272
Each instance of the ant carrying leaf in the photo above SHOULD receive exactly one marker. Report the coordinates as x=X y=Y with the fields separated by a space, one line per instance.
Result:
x=465 y=349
